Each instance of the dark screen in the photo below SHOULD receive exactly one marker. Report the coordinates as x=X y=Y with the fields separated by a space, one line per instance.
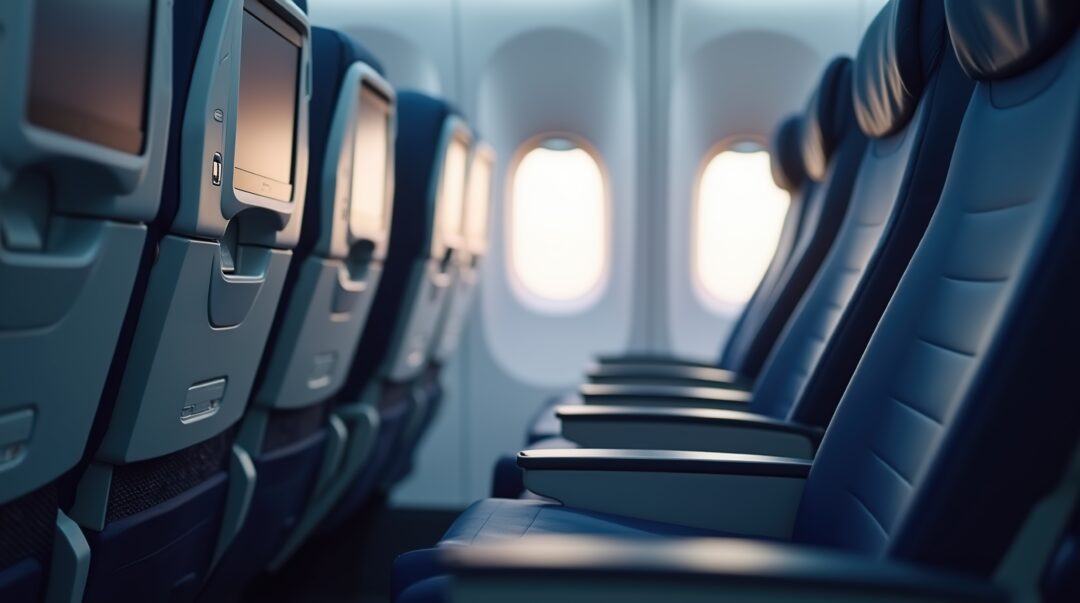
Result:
x=89 y=69
x=266 y=110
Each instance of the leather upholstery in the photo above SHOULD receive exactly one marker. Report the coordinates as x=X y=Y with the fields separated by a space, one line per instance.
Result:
x=897 y=52
x=964 y=395
x=786 y=160
x=827 y=117
x=900 y=180
x=1001 y=38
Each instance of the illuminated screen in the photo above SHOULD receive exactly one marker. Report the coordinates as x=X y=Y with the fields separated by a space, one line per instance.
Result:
x=266 y=108
x=452 y=195
x=476 y=214
x=89 y=70
x=368 y=206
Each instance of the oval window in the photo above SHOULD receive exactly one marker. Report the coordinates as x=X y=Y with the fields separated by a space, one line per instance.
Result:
x=739 y=215
x=558 y=225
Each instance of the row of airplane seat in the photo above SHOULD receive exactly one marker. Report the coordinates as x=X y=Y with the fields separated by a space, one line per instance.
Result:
x=234 y=262
x=900 y=366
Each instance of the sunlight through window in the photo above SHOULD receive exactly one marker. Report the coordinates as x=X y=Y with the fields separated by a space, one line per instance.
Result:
x=740 y=212
x=558 y=222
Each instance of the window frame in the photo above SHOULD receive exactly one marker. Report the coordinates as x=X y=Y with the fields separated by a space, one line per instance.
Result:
x=524 y=293
x=701 y=291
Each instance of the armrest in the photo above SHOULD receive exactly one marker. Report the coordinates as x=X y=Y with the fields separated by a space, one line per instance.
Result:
x=665 y=395
x=703 y=429
x=665 y=373
x=577 y=568
x=645 y=358
x=733 y=493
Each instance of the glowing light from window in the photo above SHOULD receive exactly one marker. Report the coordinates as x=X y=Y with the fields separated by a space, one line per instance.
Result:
x=740 y=212
x=558 y=222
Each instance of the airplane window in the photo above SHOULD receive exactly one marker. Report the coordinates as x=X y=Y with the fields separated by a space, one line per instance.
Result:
x=740 y=212
x=558 y=229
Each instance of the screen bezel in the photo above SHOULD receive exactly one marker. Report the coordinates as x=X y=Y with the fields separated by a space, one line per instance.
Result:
x=114 y=183
x=247 y=181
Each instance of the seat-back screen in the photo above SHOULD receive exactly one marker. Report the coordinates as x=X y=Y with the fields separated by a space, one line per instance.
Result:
x=369 y=176
x=89 y=69
x=476 y=213
x=452 y=199
x=266 y=107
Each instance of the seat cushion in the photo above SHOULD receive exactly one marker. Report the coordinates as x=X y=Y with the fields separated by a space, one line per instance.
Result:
x=495 y=519
x=499 y=519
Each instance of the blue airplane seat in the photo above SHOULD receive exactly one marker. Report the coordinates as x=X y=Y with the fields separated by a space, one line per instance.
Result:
x=974 y=332
x=154 y=489
x=394 y=348
x=80 y=178
x=286 y=429
x=456 y=311
x=834 y=146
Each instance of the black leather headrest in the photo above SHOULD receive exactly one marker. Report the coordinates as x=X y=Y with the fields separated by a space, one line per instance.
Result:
x=786 y=158
x=1003 y=38
x=827 y=117
x=898 y=52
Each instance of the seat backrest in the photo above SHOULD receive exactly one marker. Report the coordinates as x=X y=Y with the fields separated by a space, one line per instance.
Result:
x=788 y=173
x=910 y=96
x=337 y=263
x=832 y=146
x=229 y=217
x=962 y=412
x=84 y=121
x=430 y=169
x=466 y=274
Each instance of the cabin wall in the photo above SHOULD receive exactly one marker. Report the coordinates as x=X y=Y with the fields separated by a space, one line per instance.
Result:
x=652 y=86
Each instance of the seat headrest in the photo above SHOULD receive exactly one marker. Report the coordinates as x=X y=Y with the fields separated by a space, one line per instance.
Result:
x=1002 y=38
x=786 y=158
x=899 y=50
x=827 y=117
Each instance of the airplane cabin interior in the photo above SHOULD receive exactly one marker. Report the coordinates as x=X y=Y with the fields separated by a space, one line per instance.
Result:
x=473 y=301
